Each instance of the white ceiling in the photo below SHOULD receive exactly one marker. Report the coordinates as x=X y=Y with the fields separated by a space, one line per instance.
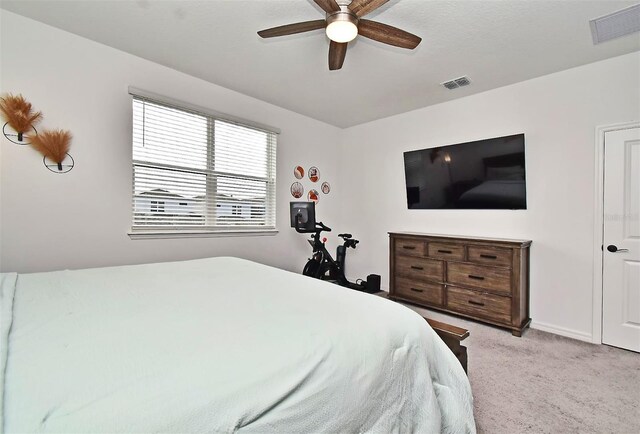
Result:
x=494 y=43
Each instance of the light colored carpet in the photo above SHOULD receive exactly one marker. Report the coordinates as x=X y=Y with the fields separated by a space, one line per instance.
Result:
x=544 y=383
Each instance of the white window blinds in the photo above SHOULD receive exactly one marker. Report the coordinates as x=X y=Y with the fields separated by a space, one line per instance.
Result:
x=194 y=172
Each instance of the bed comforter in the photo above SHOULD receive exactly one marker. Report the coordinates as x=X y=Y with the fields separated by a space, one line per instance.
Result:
x=220 y=345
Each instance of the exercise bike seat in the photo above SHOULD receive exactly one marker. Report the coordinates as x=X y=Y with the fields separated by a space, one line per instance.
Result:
x=345 y=236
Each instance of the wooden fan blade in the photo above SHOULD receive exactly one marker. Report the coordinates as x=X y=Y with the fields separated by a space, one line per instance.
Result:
x=328 y=5
x=290 y=29
x=337 y=53
x=364 y=7
x=388 y=34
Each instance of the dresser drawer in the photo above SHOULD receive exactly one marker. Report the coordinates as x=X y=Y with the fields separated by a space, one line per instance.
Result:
x=489 y=306
x=419 y=268
x=479 y=276
x=445 y=251
x=490 y=255
x=409 y=247
x=430 y=293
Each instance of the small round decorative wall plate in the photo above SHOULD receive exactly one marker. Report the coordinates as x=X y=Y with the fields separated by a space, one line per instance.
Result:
x=297 y=190
x=313 y=196
x=14 y=137
x=326 y=188
x=65 y=166
x=314 y=174
x=298 y=172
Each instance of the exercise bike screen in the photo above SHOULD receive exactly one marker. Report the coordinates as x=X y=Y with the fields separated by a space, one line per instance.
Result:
x=306 y=213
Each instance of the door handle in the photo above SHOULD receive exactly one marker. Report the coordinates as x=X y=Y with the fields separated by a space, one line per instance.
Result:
x=614 y=249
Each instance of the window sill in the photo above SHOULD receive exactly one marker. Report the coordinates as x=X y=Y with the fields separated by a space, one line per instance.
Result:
x=150 y=235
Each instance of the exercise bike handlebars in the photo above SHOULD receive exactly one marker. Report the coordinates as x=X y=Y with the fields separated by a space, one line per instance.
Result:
x=319 y=227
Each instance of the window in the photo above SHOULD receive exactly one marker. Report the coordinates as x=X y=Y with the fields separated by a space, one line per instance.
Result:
x=196 y=173
x=156 y=206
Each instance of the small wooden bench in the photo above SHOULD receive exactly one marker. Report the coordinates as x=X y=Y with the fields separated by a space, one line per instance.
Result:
x=452 y=336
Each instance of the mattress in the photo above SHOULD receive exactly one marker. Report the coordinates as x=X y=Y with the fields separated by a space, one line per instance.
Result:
x=221 y=345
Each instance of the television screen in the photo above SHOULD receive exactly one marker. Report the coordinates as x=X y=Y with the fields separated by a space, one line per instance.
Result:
x=485 y=174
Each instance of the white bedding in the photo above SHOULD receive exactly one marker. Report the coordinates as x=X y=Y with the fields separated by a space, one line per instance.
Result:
x=222 y=345
x=7 y=291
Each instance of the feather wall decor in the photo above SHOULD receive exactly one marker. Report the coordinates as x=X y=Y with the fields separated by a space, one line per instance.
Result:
x=19 y=113
x=53 y=144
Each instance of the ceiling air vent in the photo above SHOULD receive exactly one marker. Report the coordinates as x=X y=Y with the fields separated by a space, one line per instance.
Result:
x=456 y=83
x=621 y=23
x=462 y=81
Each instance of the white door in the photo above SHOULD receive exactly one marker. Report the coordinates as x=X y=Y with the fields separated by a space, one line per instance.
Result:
x=621 y=267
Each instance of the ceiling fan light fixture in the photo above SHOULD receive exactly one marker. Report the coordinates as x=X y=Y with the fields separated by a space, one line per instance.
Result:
x=343 y=23
x=342 y=27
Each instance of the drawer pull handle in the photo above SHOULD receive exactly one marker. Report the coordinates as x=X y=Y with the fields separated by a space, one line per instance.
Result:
x=409 y=247
x=445 y=251
x=489 y=256
x=476 y=303
x=416 y=290
x=413 y=267
x=471 y=276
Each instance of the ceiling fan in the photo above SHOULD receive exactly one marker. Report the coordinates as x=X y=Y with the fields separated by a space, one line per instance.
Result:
x=343 y=23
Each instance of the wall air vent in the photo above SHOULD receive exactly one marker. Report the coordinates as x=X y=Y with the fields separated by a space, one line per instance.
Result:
x=621 y=23
x=456 y=83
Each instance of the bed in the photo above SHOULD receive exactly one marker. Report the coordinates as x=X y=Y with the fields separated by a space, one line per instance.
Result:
x=219 y=345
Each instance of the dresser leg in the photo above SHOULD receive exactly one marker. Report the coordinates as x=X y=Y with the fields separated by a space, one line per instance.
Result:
x=518 y=332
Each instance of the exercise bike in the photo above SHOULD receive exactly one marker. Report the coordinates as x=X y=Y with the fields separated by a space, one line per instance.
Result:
x=321 y=265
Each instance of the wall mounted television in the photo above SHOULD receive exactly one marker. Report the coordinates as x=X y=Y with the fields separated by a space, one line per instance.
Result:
x=484 y=174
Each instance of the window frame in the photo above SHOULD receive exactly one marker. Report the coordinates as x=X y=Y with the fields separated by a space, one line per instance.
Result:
x=141 y=232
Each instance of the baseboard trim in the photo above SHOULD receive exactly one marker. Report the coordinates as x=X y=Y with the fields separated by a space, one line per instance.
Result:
x=568 y=333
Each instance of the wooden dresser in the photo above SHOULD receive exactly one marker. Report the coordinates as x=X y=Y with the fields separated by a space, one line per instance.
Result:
x=478 y=278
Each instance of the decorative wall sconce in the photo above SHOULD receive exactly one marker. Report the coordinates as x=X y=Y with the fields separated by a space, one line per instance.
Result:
x=19 y=129
x=54 y=145
x=20 y=118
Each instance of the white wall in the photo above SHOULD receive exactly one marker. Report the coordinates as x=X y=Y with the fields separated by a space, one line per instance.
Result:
x=81 y=219
x=558 y=114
